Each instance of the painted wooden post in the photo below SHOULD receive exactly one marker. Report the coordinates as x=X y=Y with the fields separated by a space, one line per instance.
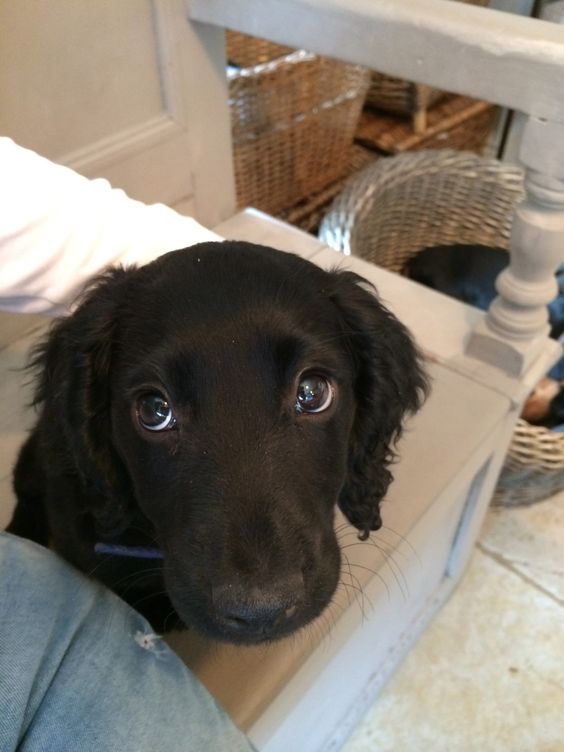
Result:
x=516 y=326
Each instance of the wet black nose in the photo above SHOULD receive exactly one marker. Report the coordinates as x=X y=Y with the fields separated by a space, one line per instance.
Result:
x=258 y=611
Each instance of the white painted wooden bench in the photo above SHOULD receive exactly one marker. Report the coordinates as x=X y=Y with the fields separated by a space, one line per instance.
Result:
x=304 y=695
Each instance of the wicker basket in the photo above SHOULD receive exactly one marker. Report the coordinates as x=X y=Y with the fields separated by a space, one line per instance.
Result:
x=534 y=467
x=402 y=97
x=293 y=117
x=400 y=205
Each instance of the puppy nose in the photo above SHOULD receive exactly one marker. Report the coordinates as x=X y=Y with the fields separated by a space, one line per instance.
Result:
x=257 y=611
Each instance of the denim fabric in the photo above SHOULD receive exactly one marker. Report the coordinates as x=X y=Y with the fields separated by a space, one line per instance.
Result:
x=80 y=670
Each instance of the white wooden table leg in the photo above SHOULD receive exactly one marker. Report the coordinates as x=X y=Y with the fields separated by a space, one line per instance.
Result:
x=517 y=323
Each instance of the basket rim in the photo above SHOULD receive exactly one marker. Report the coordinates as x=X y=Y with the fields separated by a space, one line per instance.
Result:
x=248 y=71
x=358 y=192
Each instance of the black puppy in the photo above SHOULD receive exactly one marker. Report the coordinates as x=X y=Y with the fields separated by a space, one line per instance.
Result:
x=210 y=409
x=465 y=272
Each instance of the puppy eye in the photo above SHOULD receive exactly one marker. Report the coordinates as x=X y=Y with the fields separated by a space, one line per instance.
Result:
x=154 y=412
x=315 y=394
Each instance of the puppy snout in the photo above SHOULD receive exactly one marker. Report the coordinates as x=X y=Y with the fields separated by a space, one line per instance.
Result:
x=258 y=610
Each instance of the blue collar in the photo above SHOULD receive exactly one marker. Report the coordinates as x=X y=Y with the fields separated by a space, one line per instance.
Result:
x=135 y=552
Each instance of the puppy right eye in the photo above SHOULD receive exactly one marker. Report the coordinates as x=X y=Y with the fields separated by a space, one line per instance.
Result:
x=314 y=395
x=154 y=412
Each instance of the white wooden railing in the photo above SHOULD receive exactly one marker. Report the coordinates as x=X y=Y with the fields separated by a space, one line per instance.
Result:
x=507 y=59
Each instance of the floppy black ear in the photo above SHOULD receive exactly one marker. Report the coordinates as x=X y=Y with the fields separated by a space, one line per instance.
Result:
x=390 y=383
x=73 y=389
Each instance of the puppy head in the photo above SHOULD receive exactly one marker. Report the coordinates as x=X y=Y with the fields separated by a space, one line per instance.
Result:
x=235 y=394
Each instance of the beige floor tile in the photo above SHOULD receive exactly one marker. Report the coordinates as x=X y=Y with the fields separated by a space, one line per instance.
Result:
x=530 y=540
x=487 y=676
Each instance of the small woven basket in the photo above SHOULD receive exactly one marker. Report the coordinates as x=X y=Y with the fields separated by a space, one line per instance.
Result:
x=400 y=205
x=293 y=118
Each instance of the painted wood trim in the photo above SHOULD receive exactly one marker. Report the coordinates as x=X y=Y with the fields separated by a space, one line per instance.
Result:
x=168 y=124
x=195 y=113
x=195 y=86
x=500 y=57
x=95 y=158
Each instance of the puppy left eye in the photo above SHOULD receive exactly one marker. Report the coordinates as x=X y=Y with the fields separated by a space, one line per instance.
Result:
x=314 y=395
x=154 y=412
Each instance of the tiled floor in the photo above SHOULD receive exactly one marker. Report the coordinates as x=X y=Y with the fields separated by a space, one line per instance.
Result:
x=488 y=674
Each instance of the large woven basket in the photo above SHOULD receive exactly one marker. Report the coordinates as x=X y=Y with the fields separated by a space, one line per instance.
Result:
x=400 y=205
x=293 y=117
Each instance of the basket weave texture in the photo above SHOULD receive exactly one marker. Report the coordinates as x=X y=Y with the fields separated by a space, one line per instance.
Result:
x=400 y=205
x=293 y=118
x=456 y=123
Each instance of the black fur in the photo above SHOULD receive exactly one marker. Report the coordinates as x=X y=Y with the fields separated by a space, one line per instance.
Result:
x=240 y=493
x=464 y=272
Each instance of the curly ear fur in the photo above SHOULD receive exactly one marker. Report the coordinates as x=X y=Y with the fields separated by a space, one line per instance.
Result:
x=73 y=390
x=390 y=384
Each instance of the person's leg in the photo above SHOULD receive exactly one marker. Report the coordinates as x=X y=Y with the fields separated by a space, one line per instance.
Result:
x=81 y=670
